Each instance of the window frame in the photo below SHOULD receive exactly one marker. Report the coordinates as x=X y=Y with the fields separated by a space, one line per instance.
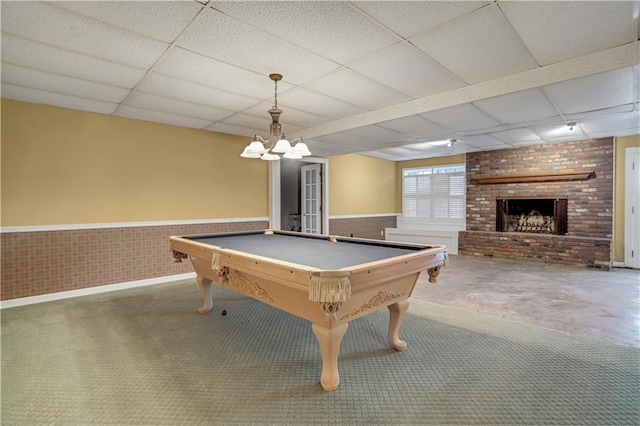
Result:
x=432 y=218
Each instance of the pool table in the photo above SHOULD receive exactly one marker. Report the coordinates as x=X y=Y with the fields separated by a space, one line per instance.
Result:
x=328 y=280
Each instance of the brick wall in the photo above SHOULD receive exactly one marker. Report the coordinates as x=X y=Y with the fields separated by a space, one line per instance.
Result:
x=35 y=263
x=362 y=227
x=590 y=203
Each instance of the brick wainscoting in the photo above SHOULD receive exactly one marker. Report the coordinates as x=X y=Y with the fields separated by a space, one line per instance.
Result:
x=42 y=262
x=362 y=227
x=590 y=203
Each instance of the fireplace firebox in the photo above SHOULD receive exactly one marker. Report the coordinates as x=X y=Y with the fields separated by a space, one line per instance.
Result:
x=533 y=215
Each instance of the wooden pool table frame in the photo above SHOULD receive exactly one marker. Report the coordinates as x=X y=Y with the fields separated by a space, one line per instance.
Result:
x=388 y=282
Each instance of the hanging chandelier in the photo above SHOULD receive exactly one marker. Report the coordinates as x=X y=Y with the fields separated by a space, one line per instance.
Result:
x=276 y=144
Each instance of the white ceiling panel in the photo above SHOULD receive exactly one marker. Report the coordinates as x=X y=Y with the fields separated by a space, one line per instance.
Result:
x=318 y=104
x=519 y=107
x=600 y=113
x=250 y=121
x=159 y=117
x=162 y=20
x=593 y=92
x=477 y=47
x=417 y=126
x=189 y=66
x=344 y=139
x=352 y=34
x=289 y=115
x=484 y=141
x=629 y=120
x=52 y=25
x=517 y=136
x=210 y=34
x=619 y=133
x=26 y=94
x=376 y=134
x=39 y=56
x=408 y=70
x=55 y=83
x=189 y=92
x=356 y=89
x=591 y=27
x=559 y=133
x=232 y=129
x=409 y=18
x=175 y=107
x=461 y=117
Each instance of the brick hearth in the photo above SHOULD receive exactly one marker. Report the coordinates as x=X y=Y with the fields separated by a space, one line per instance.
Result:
x=590 y=203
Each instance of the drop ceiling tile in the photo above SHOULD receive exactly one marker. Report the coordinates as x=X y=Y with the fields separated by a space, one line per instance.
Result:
x=253 y=49
x=618 y=133
x=34 y=96
x=585 y=28
x=611 y=123
x=59 y=27
x=172 y=106
x=519 y=107
x=250 y=121
x=409 y=18
x=289 y=116
x=318 y=104
x=484 y=141
x=477 y=47
x=307 y=24
x=26 y=53
x=415 y=125
x=189 y=92
x=408 y=70
x=593 y=92
x=159 y=117
x=232 y=129
x=189 y=66
x=517 y=136
x=559 y=133
x=160 y=20
x=461 y=118
x=377 y=134
x=55 y=83
x=356 y=89
x=600 y=112
x=344 y=139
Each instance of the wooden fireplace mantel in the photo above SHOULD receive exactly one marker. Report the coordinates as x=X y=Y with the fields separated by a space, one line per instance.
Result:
x=536 y=177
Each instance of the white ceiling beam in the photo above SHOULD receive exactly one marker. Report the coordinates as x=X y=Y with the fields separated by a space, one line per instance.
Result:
x=606 y=60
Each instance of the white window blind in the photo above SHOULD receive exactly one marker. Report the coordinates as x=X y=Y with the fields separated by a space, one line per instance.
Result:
x=434 y=193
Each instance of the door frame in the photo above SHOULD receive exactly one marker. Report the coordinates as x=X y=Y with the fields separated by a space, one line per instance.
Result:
x=631 y=234
x=275 y=196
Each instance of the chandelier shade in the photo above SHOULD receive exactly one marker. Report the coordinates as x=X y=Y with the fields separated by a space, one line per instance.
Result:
x=276 y=144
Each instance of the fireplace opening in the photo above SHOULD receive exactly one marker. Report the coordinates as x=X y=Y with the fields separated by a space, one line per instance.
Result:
x=533 y=215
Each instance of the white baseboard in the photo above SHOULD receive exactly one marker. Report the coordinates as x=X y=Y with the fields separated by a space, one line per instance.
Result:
x=23 y=301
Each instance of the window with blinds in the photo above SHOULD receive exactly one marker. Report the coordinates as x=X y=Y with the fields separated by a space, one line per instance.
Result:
x=431 y=194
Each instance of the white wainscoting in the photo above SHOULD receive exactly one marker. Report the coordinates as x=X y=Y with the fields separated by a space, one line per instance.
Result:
x=444 y=237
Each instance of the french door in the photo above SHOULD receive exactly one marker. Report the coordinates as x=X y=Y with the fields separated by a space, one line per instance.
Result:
x=311 y=198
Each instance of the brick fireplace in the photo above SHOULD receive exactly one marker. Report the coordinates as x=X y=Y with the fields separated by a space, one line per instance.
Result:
x=571 y=186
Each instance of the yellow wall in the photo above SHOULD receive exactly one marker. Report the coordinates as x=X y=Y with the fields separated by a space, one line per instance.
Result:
x=621 y=144
x=425 y=162
x=61 y=166
x=361 y=185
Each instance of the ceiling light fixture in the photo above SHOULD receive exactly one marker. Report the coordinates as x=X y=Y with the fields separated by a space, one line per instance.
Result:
x=571 y=125
x=451 y=142
x=276 y=144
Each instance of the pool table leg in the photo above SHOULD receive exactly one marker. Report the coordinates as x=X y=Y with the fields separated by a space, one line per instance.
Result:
x=329 y=341
x=396 y=315
x=205 y=288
